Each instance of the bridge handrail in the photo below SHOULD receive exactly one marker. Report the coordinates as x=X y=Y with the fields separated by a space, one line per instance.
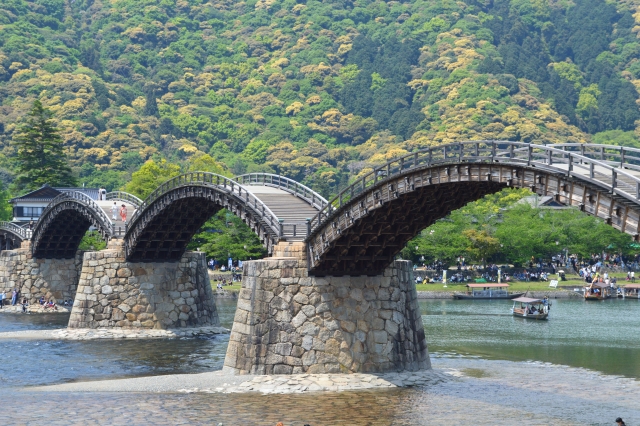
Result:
x=488 y=151
x=24 y=233
x=83 y=199
x=211 y=179
x=286 y=184
x=624 y=156
x=124 y=196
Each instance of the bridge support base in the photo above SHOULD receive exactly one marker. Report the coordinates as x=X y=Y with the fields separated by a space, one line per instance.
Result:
x=288 y=322
x=116 y=293
x=55 y=279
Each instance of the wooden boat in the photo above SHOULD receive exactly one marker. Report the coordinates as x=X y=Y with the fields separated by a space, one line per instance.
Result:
x=597 y=291
x=526 y=307
x=631 y=291
x=486 y=291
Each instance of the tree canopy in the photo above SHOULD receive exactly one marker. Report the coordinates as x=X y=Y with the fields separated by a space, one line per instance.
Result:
x=40 y=158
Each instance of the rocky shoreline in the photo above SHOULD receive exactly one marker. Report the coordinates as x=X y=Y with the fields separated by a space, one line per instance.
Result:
x=112 y=333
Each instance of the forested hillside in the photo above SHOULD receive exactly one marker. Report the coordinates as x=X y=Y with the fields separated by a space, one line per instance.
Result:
x=315 y=90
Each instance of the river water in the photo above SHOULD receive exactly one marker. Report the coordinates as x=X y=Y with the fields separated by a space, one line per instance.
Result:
x=580 y=367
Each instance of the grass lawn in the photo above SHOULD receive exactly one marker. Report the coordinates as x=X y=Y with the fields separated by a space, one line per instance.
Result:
x=573 y=281
x=235 y=288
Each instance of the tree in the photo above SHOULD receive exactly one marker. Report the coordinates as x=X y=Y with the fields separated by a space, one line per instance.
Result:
x=151 y=106
x=150 y=176
x=41 y=158
x=481 y=245
x=226 y=235
x=6 y=213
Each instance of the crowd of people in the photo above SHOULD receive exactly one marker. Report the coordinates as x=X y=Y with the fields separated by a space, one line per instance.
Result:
x=16 y=299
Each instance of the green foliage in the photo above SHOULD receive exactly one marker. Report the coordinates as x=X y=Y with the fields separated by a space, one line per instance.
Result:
x=226 y=235
x=92 y=240
x=144 y=181
x=40 y=156
x=366 y=79
x=498 y=228
x=6 y=211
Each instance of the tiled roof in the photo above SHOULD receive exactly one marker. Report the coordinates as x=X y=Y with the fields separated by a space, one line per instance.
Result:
x=47 y=193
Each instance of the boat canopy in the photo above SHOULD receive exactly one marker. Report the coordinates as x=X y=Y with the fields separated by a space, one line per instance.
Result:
x=486 y=285
x=526 y=300
x=601 y=285
x=632 y=286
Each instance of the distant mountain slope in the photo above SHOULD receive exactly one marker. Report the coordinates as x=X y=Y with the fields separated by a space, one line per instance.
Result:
x=318 y=91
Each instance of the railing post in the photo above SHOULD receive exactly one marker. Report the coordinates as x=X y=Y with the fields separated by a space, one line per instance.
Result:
x=550 y=157
x=430 y=156
x=591 y=170
x=493 y=151
x=281 y=223
x=461 y=152
x=511 y=151
x=602 y=153
x=621 y=157
x=529 y=154
x=308 y=220
x=614 y=176
x=570 y=164
x=415 y=161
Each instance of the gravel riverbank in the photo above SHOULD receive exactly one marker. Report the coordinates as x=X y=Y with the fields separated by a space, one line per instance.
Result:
x=110 y=333
x=223 y=382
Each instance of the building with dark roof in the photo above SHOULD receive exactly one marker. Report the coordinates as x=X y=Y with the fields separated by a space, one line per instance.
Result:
x=30 y=206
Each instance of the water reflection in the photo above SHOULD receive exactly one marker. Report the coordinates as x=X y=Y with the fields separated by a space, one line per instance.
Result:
x=597 y=335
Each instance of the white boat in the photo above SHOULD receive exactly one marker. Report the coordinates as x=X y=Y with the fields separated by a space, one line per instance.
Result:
x=526 y=307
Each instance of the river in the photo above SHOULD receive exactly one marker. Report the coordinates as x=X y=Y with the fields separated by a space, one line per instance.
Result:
x=580 y=367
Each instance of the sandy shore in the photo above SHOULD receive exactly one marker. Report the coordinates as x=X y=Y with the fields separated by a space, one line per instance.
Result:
x=111 y=333
x=223 y=382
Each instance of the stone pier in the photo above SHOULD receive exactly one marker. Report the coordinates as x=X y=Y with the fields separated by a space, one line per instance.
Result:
x=288 y=322
x=116 y=293
x=55 y=279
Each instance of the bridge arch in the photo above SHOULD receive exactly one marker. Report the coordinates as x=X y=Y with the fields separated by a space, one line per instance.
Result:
x=64 y=222
x=168 y=218
x=12 y=235
x=363 y=228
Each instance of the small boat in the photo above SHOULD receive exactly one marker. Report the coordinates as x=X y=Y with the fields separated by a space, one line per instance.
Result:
x=597 y=291
x=526 y=307
x=486 y=291
x=631 y=291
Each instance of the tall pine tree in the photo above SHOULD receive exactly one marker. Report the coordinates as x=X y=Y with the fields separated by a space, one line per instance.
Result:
x=41 y=157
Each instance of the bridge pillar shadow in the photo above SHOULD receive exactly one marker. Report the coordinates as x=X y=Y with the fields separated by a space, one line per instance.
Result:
x=115 y=293
x=288 y=322
x=55 y=279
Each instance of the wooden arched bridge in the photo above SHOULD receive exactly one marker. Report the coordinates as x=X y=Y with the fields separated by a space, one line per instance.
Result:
x=360 y=230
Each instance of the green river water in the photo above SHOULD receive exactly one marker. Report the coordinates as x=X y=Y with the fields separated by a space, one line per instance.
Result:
x=580 y=367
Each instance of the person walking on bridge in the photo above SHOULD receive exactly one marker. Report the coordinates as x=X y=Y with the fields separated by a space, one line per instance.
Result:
x=123 y=213
x=114 y=211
